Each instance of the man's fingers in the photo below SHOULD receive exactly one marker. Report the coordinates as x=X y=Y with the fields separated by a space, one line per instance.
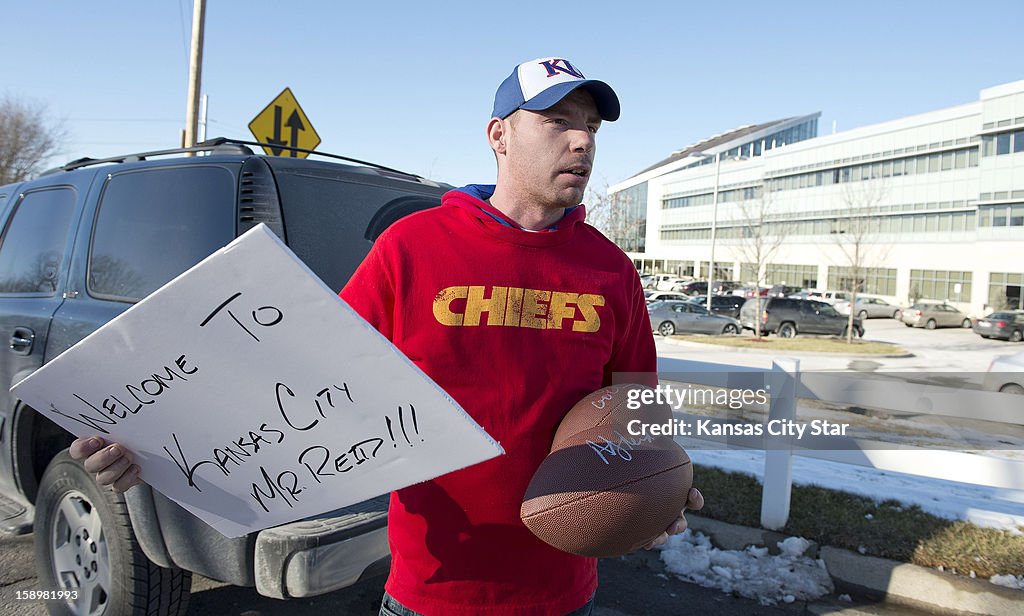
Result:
x=678 y=526
x=104 y=458
x=694 y=500
x=128 y=479
x=659 y=540
x=113 y=472
x=82 y=448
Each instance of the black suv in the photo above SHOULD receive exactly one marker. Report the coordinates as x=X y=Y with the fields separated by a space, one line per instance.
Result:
x=790 y=316
x=82 y=243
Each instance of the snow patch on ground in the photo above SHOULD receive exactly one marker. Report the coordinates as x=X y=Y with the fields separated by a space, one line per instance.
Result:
x=752 y=573
x=1009 y=581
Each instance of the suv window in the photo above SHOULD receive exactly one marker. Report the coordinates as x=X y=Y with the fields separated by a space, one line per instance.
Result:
x=154 y=224
x=32 y=247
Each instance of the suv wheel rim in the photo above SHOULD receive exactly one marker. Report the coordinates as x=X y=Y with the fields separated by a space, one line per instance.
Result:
x=80 y=558
x=1016 y=336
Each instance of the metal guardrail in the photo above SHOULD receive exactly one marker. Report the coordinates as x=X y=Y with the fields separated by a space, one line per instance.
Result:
x=787 y=384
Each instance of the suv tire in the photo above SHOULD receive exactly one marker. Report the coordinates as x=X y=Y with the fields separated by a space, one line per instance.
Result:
x=1016 y=335
x=84 y=542
x=787 y=330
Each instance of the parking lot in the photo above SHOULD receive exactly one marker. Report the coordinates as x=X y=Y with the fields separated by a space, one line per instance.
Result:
x=936 y=351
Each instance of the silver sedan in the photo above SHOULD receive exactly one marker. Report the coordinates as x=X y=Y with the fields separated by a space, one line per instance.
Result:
x=670 y=317
x=931 y=316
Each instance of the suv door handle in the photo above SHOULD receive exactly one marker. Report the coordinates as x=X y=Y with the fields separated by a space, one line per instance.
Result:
x=22 y=340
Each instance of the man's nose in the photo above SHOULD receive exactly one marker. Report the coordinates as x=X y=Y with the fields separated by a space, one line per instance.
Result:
x=583 y=140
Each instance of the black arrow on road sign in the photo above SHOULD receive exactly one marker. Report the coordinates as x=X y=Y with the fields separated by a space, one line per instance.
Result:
x=295 y=123
x=277 y=133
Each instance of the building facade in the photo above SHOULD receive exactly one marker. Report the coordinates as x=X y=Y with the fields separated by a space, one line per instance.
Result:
x=925 y=207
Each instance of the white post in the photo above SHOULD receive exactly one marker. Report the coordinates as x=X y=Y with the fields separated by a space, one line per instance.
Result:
x=714 y=227
x=778 y=461
x=204 y=108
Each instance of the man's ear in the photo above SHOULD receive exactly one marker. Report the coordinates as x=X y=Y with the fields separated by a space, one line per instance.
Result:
x=497 y=131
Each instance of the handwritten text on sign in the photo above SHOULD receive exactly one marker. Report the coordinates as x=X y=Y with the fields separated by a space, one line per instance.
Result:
x=253 y=396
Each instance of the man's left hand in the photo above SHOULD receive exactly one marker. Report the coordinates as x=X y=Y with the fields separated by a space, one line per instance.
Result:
x=694 y=501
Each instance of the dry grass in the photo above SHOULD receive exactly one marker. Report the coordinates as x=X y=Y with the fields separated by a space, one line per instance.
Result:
x=887 y=529
x=810 y=344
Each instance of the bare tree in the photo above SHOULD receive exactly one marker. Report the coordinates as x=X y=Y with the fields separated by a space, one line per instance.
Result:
x=856 y=233
x=760 y=240
x=27 y=138
x=615 y=216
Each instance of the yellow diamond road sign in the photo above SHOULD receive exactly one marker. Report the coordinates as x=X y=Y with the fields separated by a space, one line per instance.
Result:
x=283 y=124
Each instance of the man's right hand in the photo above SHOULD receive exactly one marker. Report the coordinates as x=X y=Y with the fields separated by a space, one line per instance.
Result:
x=111 y=463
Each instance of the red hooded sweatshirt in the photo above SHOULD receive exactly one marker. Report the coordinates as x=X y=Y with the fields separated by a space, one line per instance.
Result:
x=517 y=327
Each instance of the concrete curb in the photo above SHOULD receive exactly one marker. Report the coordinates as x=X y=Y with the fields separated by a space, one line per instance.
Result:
x=701 y=345
x=895 y=582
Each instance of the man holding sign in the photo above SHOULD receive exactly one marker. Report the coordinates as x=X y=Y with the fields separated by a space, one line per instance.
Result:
x=517 y=308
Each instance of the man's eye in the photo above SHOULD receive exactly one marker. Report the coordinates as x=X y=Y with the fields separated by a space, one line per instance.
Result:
x=593 y=130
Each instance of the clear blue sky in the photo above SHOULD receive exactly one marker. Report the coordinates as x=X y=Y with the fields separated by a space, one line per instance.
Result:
x=410 y=84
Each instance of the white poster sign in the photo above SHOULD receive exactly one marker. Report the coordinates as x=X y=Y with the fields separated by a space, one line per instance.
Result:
x=252 y=395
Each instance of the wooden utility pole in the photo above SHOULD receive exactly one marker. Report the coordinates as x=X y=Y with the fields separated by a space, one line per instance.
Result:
x=195 y=72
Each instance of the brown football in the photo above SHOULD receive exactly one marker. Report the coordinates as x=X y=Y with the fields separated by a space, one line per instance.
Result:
x=603 y=492
x=610 y=405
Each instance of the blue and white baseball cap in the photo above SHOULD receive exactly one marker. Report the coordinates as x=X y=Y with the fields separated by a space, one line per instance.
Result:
x=539 y=84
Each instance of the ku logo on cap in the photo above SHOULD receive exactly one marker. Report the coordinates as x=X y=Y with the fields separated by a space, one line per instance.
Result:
x=560 y=65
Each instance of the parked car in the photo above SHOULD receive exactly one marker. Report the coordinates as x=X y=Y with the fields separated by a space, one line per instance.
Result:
x=83 y=243
x=782 y=290
x=667 y=282
x=726 y=287
x=656 y=296
x=728 y=305
x=869 y=308
x=1005 y=325
x=671 y=317
x=692 y=287
x=829 y=296
x=647 y=281
x=789 y=317
x=1006 y=374
x=930 y=316
x=750 y=291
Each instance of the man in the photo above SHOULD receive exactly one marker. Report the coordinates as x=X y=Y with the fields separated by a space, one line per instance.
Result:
x=517 y=309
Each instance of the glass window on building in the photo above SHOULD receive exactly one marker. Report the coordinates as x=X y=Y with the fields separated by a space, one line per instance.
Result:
x=1005 y=291
x=947 y=161
x=1002 y=144
x=792 y=274
x=1000 y=214
x=988 y=145
x=873 y=280
x=939 y=285
x=1018 y=141
x=972 y=158
x=1017 y=215
x=961 y=159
